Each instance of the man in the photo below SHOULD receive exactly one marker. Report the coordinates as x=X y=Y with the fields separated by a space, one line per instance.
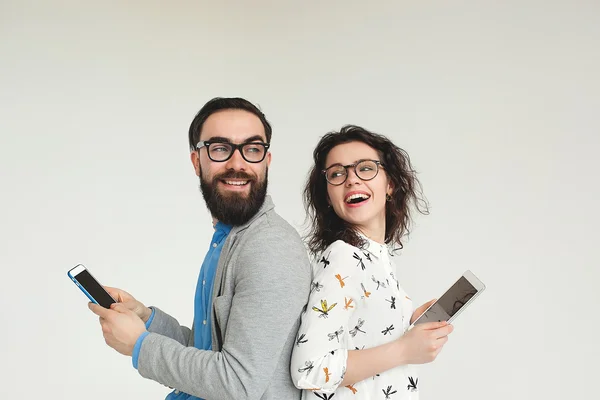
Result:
x=252 y=287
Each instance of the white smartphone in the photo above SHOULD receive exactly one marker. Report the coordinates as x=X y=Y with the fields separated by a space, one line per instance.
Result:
x=464 y=291
x=90 y=286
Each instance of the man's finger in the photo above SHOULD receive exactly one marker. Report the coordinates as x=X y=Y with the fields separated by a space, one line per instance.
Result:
x=118 y=307
x=105 y=328
x=114 y=293
x=99 y=310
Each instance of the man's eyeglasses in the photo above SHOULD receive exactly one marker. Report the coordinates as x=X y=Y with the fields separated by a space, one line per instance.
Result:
x=364 y=169
x=253 y=152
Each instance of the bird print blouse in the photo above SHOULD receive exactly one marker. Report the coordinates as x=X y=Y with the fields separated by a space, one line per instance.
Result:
x=355 y=303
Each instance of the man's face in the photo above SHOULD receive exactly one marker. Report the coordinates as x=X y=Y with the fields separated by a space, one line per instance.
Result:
x=234 y=190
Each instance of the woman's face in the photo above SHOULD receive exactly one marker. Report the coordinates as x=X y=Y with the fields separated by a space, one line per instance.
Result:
x=359 y=202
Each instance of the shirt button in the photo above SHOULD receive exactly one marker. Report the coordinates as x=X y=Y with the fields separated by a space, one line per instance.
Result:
x=204 y=322
x=204 y=282
x=214 y=245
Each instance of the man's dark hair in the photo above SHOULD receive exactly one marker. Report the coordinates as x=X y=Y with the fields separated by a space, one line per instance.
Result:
x=224 y=103
x=326 y=227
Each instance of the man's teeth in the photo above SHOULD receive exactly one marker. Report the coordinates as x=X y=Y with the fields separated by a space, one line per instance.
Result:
x=357 y=196
x=236 y=183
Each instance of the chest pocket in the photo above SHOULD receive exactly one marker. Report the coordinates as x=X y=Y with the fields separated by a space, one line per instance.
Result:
x=222 y=307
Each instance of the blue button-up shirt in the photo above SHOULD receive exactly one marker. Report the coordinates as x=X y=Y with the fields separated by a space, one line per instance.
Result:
x=204 y=289
x=202 y=302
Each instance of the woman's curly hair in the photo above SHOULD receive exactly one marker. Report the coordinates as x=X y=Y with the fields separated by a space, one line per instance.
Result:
x=326 y=227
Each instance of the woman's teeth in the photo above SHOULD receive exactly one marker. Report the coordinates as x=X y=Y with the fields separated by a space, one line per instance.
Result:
x=356 y=198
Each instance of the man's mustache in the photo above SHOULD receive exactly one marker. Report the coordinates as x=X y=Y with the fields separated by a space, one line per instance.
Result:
x=234 y=175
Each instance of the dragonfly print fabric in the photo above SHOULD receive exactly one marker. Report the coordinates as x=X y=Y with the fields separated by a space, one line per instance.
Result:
x=356 y=302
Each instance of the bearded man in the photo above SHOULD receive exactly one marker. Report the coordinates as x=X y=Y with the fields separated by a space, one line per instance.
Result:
x=252 y=286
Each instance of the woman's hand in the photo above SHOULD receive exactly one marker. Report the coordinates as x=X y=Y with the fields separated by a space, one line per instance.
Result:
x=417 y=313
x=423 y=342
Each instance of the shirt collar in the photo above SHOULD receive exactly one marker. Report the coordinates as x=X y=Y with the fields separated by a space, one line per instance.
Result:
x=221 y=227
x=377 y=249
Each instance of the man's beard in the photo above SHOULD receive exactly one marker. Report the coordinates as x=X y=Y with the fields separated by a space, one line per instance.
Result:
x=234 y=208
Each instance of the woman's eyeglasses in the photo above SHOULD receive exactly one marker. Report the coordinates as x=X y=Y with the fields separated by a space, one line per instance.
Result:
x=364 y=169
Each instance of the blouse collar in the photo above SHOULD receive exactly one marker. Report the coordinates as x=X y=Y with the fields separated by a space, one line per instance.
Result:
x=373 y=247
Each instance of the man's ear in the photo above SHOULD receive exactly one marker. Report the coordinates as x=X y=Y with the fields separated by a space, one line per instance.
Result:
x=195 y=158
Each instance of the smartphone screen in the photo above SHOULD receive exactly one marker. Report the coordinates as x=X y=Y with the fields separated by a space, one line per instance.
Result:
x=94 y=289
x=450 y=302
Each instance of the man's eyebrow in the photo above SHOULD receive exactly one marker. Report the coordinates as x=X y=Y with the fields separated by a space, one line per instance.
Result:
x=255 y=138
x=221 y=139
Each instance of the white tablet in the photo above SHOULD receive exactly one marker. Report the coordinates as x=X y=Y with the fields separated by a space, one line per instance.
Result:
x=464 y=291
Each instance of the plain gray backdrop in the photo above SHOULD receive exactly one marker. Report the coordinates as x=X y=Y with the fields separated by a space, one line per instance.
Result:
x=497 y=104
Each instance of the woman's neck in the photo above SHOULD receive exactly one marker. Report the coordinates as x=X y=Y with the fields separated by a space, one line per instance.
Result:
x=376 y=234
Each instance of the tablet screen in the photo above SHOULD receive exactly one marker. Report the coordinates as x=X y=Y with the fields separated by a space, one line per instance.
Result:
x=450 y=302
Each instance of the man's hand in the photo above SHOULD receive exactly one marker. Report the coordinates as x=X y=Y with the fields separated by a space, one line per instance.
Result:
x=417 y=313
x=121 y=326
x=130 y=302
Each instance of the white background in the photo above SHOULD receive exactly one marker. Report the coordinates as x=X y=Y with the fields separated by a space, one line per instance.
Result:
x=497 y=104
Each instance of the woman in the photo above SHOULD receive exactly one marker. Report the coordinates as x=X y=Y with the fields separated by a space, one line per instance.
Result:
x=354 y=341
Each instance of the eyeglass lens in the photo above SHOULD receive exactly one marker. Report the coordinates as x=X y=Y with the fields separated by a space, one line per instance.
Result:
x=365 y=170
x=252 y=152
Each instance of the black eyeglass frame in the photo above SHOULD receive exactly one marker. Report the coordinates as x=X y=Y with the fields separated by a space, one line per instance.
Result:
x=234 y=147
x=378 y=163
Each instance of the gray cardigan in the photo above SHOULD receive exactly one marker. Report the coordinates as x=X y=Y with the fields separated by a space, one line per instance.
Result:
x=261 y=286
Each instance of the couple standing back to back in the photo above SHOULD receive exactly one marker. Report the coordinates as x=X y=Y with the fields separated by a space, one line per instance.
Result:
x=268 y=323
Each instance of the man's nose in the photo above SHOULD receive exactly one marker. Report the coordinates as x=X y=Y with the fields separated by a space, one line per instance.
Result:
x=236 y=161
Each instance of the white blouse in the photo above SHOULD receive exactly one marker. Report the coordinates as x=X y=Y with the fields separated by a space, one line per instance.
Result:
x=356 y=302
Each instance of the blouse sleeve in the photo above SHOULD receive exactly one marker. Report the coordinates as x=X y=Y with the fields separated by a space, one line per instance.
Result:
x=321 y=349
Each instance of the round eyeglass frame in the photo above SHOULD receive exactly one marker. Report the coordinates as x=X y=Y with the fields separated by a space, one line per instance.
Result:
x=377 y=163
x=234 y=147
